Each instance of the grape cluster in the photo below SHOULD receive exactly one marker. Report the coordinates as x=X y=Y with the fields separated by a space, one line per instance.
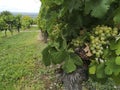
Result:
x=100 y=38
x=76 y=42
x=55 y=32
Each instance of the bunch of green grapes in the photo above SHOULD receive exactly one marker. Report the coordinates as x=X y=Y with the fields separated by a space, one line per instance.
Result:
x=76 y=42
x=55 y=32
x=100 y=38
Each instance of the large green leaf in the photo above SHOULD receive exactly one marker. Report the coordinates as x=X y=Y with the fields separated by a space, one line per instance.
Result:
x=46 y=56
x=117 y=60
x=108 y=71
x=77 y=60
x=106 y=53
x=97 y=8
x=72 y=5
x=92 y=69
x=113 y=44
x=118 y=47
x=58 y=2
x=116 y=79
x=100 y=71
x=59 y=56
x=117 y=16
x=111 y=64
x=69 y=65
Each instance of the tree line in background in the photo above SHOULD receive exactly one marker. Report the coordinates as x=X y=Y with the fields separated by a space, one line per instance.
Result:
x=9 y=22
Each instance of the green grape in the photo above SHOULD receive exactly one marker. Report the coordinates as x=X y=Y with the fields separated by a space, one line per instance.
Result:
x=107 y=31
x=103 y=35
x=93 y=41
x=94 y=51
x=97 y=54
x=97 y=47
x=94 y=45
x=100 y=51
x=92 y=37
x=92 y=48
x=96 y=32
x=108 y=34
x=100 y=31
x=101 y=48
x=100 y=39
x=103 y=42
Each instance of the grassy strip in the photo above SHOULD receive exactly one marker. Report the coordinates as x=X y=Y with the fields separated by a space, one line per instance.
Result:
x=20 y=61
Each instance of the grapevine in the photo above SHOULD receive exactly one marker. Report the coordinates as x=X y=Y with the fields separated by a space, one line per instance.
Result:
x=79 y=27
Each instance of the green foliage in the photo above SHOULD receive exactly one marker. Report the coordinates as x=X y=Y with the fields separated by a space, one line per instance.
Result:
x=97 y=8
x=117 y=60
x=69 y=65
x=17 y=22
x=26 y=22
x=73 y=23
x=9 y=22
x=3 y=25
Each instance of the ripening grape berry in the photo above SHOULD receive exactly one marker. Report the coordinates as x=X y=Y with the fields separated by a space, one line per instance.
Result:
x=102 y=35
x=113 y=34
x=107 y=31
x=108 y=35
x=97 y=54
x=100 y=51
x=92 y=48
x=94 y=51
x=92 y=37
x=96 y=39
x=100 y=31
x=94 y=45
x=101 y=48
x=97 y=47
x=103 y=42
x=115 y=31
x=102 y=38
x=96 y=32
x=93 y=42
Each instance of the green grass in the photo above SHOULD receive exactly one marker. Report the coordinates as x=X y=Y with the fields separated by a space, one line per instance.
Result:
x=20 y=62
x=32 y=28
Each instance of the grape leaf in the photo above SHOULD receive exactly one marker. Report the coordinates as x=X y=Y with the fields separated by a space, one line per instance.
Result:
x=113 y=45
x=100 y=71
x=58 y=2
x=77 y=60
x=113 y=66
x=97 y=8
x=92 y=69
x=116 y=18
x=69 y=65
x=108 y=71
x=118 y=47
x=117 y=60
x=46 y=56
x=118 y=51
x=58 y=57
x=116 y=79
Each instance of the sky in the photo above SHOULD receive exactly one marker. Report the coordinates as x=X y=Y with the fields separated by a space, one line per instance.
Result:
x=20 y=5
